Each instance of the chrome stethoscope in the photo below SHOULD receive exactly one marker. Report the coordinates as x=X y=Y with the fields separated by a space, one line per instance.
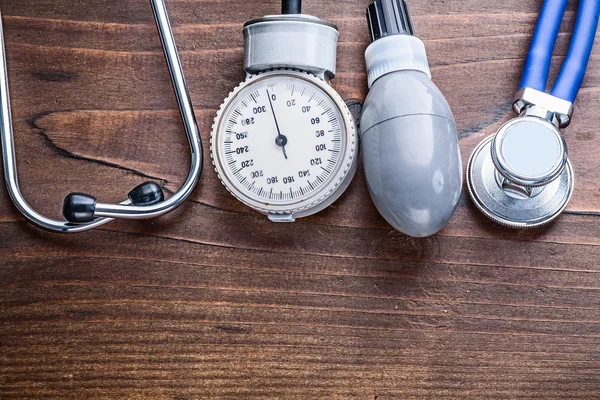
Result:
x=521 y=177
x=81 y=211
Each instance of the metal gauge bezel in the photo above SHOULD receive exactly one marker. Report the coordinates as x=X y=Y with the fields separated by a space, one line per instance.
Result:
x=337 y=181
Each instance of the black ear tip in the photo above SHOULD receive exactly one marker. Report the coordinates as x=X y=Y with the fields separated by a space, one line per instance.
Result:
x=79 y=208
x=146 y=194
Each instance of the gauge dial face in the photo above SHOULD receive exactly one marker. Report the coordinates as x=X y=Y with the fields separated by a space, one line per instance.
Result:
x=280 y=141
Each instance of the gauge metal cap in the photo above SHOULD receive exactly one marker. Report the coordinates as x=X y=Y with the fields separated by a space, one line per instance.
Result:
x=295 y=41
x=389 y=17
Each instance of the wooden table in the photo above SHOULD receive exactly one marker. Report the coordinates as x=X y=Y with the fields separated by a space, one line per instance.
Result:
x=215 y=301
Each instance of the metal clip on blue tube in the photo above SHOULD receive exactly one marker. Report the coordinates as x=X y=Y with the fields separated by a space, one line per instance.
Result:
x=508 y=182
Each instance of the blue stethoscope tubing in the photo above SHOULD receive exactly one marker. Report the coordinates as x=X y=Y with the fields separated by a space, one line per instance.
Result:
x=537 y=65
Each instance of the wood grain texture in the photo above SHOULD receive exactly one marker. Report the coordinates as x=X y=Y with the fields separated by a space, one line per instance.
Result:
x=213 y=301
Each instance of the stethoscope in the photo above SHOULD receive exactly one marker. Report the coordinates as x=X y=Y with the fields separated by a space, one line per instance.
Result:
x=82 y=211
x=521 y=177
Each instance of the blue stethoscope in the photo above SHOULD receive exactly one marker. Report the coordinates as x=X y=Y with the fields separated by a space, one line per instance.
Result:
x=521 y=177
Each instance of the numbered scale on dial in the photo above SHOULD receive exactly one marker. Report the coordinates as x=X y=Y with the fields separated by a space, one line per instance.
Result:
x=284 y=144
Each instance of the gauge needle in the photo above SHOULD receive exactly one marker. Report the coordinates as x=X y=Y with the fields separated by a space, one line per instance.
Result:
x=280 y=140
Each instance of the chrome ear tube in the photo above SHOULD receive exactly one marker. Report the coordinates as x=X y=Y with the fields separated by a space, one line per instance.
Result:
x=521 y=176
x=408 y=135
x=82 y=211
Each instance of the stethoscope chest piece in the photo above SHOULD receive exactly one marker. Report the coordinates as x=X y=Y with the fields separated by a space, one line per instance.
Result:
x=521 y=177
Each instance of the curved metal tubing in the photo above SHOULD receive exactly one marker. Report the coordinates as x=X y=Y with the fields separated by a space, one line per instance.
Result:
x=107 y=212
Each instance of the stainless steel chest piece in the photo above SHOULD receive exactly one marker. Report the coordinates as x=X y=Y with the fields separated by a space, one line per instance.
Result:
x=521 y=177
x=284 y=142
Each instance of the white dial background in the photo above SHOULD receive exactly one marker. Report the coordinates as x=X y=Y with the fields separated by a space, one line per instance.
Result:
x=310 y=126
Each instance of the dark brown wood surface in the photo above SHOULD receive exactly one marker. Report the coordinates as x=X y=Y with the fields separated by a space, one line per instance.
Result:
x=215 y=301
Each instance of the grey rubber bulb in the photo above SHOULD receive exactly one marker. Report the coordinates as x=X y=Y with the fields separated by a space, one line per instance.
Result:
x=409 y=140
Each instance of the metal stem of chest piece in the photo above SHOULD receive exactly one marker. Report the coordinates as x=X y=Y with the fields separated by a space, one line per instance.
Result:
x=106 y=212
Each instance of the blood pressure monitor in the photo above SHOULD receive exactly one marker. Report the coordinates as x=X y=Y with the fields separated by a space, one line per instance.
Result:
x=284 y=142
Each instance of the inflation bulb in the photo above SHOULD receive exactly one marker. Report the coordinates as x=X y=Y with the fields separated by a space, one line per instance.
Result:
x=408 y=135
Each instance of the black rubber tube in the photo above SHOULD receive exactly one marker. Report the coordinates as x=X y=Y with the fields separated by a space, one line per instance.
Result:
x=291 y=7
